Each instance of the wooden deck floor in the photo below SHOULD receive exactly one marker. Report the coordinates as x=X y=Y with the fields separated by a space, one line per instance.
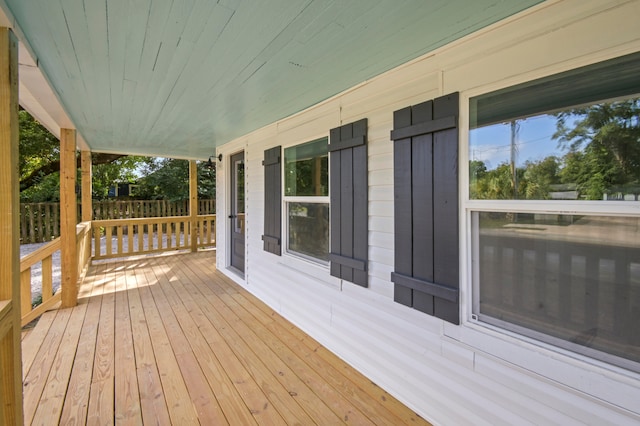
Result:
x=168 y=340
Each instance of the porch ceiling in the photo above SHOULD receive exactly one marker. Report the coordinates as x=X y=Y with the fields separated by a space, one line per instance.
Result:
x=179 y=77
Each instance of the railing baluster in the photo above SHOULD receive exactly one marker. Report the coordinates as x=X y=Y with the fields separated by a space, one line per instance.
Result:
x=47 y=278
x=108 y=231
x=25 y=289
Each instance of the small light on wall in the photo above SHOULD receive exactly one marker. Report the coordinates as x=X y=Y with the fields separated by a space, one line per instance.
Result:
x=210 y=162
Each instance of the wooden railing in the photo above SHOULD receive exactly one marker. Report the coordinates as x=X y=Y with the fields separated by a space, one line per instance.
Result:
x=130 y=237
x=40 y=222
x=111 y=239
x=45 y=255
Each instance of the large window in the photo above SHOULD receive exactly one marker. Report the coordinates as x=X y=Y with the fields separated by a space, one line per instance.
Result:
x=566 y=276
x=306 y=190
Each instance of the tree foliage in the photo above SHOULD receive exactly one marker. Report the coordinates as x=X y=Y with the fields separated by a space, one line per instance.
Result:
x=168 y=179
x=39 y=166
x=602 y=154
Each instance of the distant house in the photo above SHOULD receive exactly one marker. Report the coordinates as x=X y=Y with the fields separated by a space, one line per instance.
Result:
x=120 y=190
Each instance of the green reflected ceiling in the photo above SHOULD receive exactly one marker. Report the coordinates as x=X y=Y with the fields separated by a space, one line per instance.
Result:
x=178 y=77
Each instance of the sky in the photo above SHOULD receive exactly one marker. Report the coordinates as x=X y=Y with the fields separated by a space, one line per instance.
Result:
x=492 y=144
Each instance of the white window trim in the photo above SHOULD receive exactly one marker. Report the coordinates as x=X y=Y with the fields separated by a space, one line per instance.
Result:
x=315 y=269
x=310 y=200
x=580 y=372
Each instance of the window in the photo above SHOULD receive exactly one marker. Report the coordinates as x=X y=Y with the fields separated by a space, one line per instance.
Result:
x=569 y=279
x=306 y=196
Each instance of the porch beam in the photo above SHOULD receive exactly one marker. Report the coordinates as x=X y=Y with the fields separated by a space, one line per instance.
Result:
x=193 y=204
x=10 y=348
x=68 y=217
x=86 y=207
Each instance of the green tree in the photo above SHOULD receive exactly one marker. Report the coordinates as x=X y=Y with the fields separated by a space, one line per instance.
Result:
x=168 y=179
x=603 y=143
x=39 y=168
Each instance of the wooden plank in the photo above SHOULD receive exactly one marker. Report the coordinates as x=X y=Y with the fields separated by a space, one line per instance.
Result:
x=247 y=345
x=335 y=200
x=346 y=203
x=316 y=382
x=356 y=387
x=231 y=402
x=68 y=218
x=152 y=402
x=361 y=203
x=36 y=378
x=201 y=394
x=333 y=374
x=108 y=233
x=37 y=255
x=403 y=235
x=127 y=401
x=31 y=344
x=76 y=403
x=10 y=349
x=52 y=302
x=223 y=345
x=25 y=292
x=272 y=201
x=179 y=403
x=47 y=278
x=266 y=401
x=120 y=240
x=51 y=402
x=101 y=391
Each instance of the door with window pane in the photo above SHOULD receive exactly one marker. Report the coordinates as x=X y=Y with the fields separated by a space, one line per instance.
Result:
x=236 y=216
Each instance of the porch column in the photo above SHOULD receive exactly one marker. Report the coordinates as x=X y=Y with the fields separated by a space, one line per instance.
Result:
x=87 y=206
x=10 y=349
x=193 y=204
x=68 y=217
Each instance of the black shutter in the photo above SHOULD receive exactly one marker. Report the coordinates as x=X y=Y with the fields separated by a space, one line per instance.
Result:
x=272 y=201
x=425 y=158
x=349 y=202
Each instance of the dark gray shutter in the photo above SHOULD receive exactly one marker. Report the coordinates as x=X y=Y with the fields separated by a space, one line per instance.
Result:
x=425 y=158
x=349 y=202
x=272 y=201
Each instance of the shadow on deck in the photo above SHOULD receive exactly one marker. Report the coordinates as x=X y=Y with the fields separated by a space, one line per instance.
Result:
x=168 y=340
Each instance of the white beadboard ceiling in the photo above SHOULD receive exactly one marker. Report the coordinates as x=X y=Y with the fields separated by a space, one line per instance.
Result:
x=179 y=77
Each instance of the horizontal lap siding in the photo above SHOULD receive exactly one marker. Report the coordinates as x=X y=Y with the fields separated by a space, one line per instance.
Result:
x=403 y=350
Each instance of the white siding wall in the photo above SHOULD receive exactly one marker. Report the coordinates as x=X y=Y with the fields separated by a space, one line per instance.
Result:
x=448 y=374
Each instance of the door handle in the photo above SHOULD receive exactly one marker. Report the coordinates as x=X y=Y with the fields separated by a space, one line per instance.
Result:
x=232 y=216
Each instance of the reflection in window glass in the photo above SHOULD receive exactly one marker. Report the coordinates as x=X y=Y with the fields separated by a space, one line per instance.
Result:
x=306 y=169
x=589 y=152
x=573 y=278
x=569 y=136
x=309 y=229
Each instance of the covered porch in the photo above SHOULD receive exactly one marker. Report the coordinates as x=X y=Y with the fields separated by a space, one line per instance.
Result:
x=169 y=340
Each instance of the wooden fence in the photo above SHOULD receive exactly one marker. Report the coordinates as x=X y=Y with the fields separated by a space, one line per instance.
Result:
x=40 y=222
